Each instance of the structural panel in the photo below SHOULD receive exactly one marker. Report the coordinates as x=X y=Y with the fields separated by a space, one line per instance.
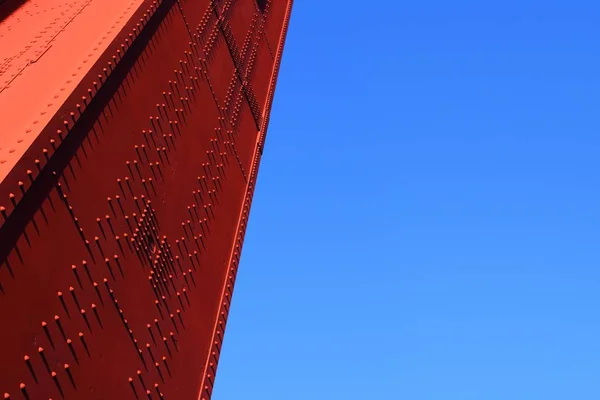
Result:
x=130 y=138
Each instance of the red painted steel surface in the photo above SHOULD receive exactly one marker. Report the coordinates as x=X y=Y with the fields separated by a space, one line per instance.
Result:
x=130 y=138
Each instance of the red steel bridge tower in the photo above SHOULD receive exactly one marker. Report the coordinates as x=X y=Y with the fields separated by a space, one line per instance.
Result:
x=131 y=133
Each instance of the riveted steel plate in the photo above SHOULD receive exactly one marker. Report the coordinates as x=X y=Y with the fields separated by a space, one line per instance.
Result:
x=125 y=198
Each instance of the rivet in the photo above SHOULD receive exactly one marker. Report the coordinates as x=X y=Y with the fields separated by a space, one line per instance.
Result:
x=43 y=357
x=130 y=380
x=85 y=319
x=62 y=302
x=47 y=332
x=139 y=374
x=55 y=379
x=83 y=342
x=30 y=367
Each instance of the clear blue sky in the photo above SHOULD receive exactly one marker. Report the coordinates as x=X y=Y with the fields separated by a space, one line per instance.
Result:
x=426 y=224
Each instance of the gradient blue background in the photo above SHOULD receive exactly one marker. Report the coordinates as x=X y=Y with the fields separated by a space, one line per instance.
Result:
x=427 y=218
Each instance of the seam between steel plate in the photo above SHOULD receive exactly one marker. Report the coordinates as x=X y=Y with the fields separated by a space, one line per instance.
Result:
x=234 y=258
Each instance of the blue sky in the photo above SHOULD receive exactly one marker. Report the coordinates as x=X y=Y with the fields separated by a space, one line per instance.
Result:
x=426 y=224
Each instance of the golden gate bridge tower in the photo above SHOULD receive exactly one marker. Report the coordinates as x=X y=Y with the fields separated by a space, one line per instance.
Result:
x=131 y=133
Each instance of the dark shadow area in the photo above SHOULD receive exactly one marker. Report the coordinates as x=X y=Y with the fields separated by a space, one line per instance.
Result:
x=262 y=4
x=7 y=7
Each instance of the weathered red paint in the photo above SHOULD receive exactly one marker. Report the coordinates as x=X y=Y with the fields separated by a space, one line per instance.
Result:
x=125 y=198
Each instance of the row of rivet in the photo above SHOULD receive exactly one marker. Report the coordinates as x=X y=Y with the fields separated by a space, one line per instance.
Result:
x=116 y=257
x=221 y=322
x=69 y=342
x=208 y=378
x=218 y=334
x=64 y=336
x=209 y=374
x=225 y=305
x=159 y=287
x=79 y=109
x=190 y=208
